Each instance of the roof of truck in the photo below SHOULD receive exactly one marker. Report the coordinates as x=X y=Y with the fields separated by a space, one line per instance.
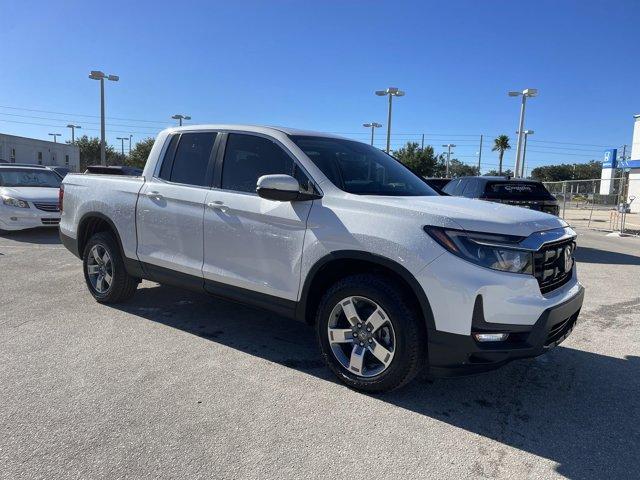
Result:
x=266 y=129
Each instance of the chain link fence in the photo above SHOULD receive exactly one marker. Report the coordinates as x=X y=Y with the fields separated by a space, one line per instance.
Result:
x=583 y=205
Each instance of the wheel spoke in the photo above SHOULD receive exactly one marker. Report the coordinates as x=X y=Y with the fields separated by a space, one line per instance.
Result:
x=350 y=312
x=380 y=352
x=340 y=335
x=93 y=269
x=100 y=283
x=107 y=279
x=96 y=255
x=357 y=359
x=376 y=319
x=106 y=258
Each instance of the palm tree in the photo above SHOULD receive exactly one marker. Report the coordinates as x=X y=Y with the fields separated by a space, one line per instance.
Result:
x=500 y=145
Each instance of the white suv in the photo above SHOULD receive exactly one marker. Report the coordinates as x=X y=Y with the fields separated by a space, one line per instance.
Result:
x=335 y=233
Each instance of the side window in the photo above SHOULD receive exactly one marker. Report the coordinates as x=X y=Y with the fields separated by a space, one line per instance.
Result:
x=191 y=158
x=248 y=157
x=451 y=187
x=470 y=188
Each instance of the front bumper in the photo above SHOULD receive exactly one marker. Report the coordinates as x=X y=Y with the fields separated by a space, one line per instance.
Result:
x=12 y=219
x=452 y=354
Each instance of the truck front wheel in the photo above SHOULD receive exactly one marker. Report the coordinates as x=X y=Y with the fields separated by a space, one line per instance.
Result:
x=370 y=335
x=104 y=270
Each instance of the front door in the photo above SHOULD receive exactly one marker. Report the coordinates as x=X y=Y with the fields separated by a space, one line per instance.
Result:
x=251 y=242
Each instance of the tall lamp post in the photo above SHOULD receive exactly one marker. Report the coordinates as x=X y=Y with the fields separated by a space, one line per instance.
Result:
x=122 y=139
x=130 y=137
x=372 y=126
x=98 y=75
x=73 y=132
x=180 y=117
x=449 y=147
x=524 y=148
x=527 y=92
x=390 y=92
x=55 y=136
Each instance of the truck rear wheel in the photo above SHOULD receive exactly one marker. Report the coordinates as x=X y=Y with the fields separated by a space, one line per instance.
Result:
x=104 y=271
x=370 y=335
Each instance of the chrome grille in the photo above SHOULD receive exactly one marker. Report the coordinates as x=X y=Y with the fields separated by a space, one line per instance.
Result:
x=552 y=268
x=47 y=206
x=50 y=221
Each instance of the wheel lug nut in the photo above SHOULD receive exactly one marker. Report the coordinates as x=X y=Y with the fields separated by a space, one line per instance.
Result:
x=359 y=325
x=368 y=329
x=371 y=340
x=355 y=334
x=362 y=344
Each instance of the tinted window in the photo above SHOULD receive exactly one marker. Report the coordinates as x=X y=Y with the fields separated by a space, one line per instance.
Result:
x=248 y=157
x=192 y=158
x=470 y=188
x=167 y=163
x=28 y=178
x=451 y=187
x=361 y=169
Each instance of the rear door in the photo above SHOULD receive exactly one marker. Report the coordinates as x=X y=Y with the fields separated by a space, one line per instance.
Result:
x=251 y=242
x=171 y=206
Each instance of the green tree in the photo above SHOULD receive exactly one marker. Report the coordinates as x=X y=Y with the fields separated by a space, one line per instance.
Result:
x=422 y=161
x=501 y=145
x=566 y=171
x=90 y=152
x=140 y=153
x=459 y=169
x=495 y=173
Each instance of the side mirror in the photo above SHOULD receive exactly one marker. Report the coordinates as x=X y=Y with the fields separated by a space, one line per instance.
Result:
x=283 y=188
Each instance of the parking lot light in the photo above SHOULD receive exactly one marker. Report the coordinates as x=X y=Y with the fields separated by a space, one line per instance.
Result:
x=527 y=92
x=98 y=75
x=390 y=92
x=372 y=126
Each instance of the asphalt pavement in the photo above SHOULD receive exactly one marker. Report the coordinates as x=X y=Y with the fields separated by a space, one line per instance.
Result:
x=180 y=385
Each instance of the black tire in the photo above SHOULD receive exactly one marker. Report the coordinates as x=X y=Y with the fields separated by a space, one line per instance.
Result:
x=410 y=332
x=123 y=285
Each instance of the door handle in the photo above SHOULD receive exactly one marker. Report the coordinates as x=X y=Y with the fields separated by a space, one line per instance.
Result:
x=218 y=205
x=155 y=195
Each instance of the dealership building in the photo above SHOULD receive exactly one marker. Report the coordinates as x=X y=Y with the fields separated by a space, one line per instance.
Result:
x=14 y=149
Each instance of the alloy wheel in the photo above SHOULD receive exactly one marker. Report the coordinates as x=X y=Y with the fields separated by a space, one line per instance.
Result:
x=361 y=336
x=100 y=269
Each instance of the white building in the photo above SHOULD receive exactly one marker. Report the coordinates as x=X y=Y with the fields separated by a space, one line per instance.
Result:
x=14 y=149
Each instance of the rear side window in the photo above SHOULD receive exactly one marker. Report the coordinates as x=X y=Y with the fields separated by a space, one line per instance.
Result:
x=191 y=160
x=470 y=188
x=248 y=157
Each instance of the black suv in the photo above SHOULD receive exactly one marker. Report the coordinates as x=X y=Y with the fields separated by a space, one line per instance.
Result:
x=513 y=191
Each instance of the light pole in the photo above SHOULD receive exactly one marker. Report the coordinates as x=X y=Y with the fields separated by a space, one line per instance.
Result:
x=524 y=148
x=55 y=136
x=390 y=92
x=372 y=126
x=98 y=75
x=480 y=155
x=527 y=92
x=130 y=137
x=180 y=117
x=449 y=146
x=122 y=139
x=73 y=132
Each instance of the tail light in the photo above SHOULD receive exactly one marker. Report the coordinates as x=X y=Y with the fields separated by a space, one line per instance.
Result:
x=61 y=197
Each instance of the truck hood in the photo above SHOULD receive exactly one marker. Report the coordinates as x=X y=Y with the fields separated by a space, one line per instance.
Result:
x=31 y=194
x=474 y=215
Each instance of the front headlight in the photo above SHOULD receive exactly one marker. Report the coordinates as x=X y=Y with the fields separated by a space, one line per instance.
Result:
x=14 y=202
x=498 y=252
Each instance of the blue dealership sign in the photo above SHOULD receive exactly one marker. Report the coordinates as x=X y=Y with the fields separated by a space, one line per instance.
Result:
x=610 y=158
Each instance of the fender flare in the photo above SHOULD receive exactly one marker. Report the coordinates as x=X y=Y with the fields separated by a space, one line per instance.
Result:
x=392 y=265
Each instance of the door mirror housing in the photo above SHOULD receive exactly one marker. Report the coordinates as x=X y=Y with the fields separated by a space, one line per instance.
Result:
x=283 y=188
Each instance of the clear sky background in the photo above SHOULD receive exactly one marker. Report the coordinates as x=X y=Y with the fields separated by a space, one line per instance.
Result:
x=316 y=64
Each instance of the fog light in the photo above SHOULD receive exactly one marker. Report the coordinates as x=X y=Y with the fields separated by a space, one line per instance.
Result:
x=490 y=337
x=14 y=219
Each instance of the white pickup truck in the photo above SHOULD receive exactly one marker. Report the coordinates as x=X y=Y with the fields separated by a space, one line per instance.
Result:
x=335 y=233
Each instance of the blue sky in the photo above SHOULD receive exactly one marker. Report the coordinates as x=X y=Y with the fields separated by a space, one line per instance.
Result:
x=316 y=65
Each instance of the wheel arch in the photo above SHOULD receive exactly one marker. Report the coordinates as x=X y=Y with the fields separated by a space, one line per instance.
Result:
x=343 y=263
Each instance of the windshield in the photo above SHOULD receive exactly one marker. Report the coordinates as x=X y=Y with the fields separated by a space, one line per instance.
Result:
x=361 y=169
x=27 y=177
x=517 y=190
